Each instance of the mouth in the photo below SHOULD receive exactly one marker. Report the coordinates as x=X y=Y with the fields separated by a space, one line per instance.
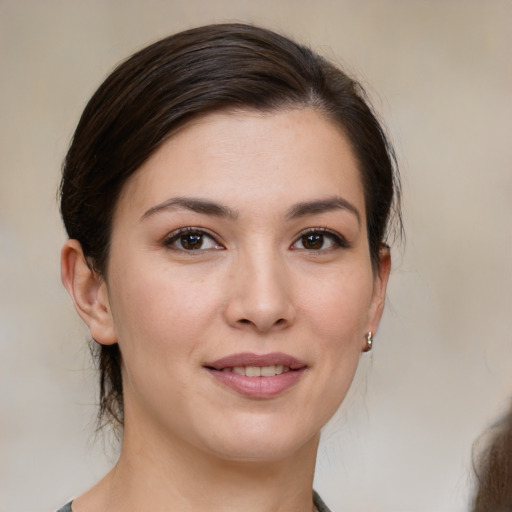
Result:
x=257 y=376
x=258 y=371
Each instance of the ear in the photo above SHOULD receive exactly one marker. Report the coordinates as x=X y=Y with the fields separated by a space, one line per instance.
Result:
x=380 y=283
x=89 y=293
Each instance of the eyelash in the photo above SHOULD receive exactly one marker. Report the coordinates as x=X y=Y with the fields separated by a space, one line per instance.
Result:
x=175 y=236
x=339 y=241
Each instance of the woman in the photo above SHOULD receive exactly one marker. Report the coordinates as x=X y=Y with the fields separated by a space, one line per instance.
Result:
x=227 y=196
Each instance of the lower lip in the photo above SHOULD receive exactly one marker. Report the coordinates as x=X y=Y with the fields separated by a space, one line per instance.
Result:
x=258 y=387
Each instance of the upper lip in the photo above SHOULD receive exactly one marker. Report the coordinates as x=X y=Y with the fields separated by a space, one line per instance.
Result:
x=251 y=359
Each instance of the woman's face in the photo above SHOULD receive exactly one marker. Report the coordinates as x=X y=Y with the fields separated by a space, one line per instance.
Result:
x=240 y=287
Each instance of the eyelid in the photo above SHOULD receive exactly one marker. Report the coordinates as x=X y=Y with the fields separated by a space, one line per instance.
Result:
x=340 y=241
x=174 y=235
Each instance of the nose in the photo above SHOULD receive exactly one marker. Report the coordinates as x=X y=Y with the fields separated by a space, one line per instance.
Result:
x=260 y=294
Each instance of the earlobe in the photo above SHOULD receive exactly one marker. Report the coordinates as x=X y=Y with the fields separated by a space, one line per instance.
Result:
x=379 y=289
x=89 y=293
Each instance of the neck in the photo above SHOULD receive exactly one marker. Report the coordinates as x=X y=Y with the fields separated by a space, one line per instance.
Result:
x=165 y=475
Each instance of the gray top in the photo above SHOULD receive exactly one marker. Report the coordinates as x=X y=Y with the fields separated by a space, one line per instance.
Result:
x=319 y=504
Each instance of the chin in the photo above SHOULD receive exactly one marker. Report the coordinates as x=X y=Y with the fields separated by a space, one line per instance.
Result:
x=263 y=445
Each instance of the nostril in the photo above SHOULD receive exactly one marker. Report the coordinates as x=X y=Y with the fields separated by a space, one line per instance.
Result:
x=278 y=323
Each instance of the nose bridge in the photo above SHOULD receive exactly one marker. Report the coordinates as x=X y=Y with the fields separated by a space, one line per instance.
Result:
x=262 y=292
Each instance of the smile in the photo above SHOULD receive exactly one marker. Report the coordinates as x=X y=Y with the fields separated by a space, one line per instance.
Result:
x=258 y=371
x=257 y=376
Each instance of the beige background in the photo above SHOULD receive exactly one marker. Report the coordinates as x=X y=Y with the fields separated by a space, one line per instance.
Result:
x=440 y=73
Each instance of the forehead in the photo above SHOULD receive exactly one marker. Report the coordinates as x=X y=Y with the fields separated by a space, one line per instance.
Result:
x=273 y=158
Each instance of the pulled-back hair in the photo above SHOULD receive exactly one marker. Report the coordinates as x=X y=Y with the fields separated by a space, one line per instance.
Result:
x=194 y=73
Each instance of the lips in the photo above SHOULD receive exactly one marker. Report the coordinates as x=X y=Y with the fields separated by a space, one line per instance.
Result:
x=258 y=371
x=257 y=376
x=260 y=360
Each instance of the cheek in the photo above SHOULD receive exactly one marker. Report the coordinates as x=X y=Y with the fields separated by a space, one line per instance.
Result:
x=160 y=310
x=339 y=308
x=337 y=311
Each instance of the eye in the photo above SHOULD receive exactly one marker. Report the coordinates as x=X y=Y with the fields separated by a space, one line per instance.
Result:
x=320 y=239
x=192 y=239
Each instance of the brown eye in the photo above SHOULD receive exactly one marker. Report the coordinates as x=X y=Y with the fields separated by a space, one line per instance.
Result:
x=191 y=241
x=313 y=241
x=320 y=240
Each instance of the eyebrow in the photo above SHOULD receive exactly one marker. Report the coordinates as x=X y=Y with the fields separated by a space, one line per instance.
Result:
x=321 y=206
x=206 y=207
x=196 y=205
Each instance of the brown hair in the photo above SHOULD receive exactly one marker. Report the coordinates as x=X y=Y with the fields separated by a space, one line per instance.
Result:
x=192 y=73
x=494 y=470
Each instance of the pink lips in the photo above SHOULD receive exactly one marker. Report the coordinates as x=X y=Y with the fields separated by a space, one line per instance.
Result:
x=288 y=371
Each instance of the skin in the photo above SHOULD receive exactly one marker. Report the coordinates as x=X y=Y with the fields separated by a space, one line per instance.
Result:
x=256 y=284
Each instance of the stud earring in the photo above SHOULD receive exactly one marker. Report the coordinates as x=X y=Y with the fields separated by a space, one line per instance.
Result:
x=369 y=342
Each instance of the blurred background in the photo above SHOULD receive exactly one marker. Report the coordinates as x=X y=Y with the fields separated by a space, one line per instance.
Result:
x=440 y=75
